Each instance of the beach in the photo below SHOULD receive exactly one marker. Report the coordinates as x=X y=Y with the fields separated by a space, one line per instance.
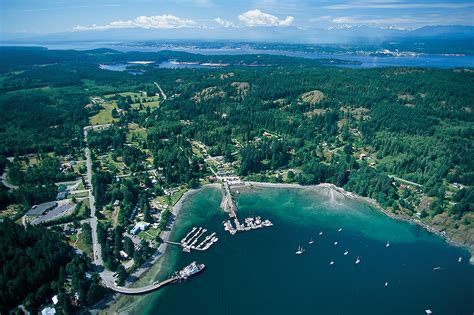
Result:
x=375 y=204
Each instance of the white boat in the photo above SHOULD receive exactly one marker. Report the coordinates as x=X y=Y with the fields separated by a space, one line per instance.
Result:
x=311 y=241
x=331 y=263
x=428 y=312
x=436 y=268
x=388 y=244
x=386 y=284
x=339 y=230
x=299 y=251
x=335 y=243
x=358 y=260
x=459 y=259
x=346 y=252
x=320 y=233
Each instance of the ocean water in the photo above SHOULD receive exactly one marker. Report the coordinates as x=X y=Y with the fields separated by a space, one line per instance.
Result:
x=257 y=272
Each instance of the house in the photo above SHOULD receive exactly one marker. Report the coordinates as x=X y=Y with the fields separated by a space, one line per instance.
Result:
x=140 y=226
x=61 y=195
x=48 y=311
x=123 y=254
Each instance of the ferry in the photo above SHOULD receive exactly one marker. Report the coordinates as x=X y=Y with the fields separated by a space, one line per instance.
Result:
x=191 y=269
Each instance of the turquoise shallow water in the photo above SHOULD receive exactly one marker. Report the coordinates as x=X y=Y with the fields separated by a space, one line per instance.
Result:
x=257 y=272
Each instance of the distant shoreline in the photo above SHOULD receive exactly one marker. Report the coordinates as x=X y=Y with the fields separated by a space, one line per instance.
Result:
x=371 y=202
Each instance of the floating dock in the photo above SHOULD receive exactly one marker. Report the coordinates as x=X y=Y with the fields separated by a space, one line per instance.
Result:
x=191 y=240
x=250 y=224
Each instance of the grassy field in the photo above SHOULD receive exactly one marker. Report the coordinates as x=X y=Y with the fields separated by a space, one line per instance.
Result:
x=149 y=234
x=10 y=211
x=104 y=116
x=152 y=104
x=86 y=248
x=135 y=131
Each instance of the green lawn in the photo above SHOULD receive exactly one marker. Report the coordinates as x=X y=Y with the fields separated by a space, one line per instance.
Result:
x=104 y=116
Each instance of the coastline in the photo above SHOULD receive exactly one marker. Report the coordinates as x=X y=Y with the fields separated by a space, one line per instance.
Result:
x=371 y=202
x=153 y=266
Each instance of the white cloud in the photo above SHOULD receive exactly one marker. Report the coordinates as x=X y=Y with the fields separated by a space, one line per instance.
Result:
x=355 y=20
x=320 y=18
x=147 y=22
x=224 y=23
x=259 y=18
x=395 y=5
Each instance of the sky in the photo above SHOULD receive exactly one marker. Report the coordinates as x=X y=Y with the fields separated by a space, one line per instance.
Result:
x=56 y=16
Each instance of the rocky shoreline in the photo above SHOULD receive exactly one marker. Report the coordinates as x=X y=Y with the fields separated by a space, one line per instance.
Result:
x=373 y=203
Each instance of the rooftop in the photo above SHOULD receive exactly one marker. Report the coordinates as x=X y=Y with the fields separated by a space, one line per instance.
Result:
x=40 y=209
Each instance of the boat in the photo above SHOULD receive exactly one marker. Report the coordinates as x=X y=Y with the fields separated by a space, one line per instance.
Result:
x=346 y=252
x=358 y=260
x=459 y=259
x=299 y=251
x=386 y=284
x=191 y=269
x=332 y=262
x=339 y=230
x=335 y=243
x=388 y=244
x=320 y=233
x=436 y=268
x=311 y=242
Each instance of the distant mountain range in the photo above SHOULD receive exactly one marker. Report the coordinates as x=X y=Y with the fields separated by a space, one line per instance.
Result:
x=437 y=39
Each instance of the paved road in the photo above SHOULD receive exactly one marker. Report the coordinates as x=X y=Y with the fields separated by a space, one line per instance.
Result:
x=5 y=182
x=161 y=91
x=107 y=276
x=405 y=181
x=93 y=222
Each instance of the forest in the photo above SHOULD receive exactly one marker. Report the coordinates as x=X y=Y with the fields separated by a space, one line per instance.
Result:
x=39 y=259
x=402 y=136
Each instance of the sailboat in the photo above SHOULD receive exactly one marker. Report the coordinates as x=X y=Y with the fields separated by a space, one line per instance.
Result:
x=358 y=260
x=310 y=241
x=299 y=251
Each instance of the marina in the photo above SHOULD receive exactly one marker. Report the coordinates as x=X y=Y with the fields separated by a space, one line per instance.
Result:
x=189 y=242
x=250 y=223
x=297 y=217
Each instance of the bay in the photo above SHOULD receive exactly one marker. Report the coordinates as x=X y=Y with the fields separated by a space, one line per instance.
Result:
x=257 y=272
